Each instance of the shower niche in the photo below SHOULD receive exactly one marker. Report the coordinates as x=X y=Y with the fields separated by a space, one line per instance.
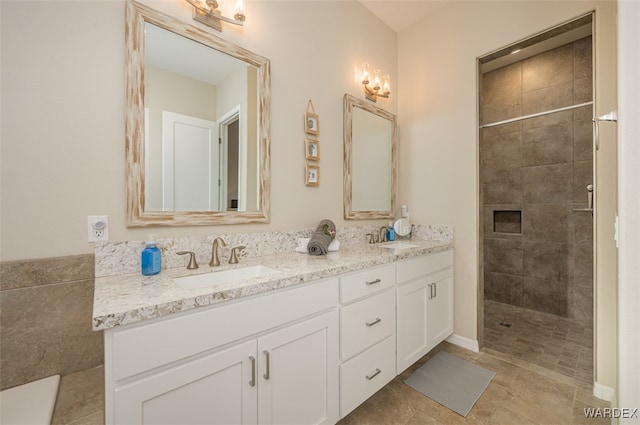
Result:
x=507 y=221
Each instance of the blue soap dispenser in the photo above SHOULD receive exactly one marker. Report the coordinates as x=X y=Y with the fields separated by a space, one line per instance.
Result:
x=150 y=258
x=391 y=233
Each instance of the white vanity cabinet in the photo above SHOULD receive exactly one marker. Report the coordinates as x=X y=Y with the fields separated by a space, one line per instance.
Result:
x=367 y=334
x=268 y=359
x=424 y=305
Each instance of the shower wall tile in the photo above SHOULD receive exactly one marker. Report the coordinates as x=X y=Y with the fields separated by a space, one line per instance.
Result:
x=583 y=265
x=580 y=303
x=548 y=184
x=582 y=56
x=551 y=144
x=547 y=223
x=547 y=120
x=504 y=288
x=548 y=69
x=582 y=90
x=549 y=98
x=554 y=251
x=548 y=261
x=542 y=295
x=582 y=225
x=512 y=127
x=582 y=177
x=503 y=109
x=502 y=186
x=502 y=151
x=583 y=134
x=503 y=83
x=503 y=256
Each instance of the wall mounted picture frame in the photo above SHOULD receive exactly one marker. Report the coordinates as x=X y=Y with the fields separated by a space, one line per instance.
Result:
x=312 y=149
x=311 y=123
x=312 y=175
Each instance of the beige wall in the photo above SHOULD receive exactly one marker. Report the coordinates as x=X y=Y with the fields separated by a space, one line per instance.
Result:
x=63 y=113
x=438 y=150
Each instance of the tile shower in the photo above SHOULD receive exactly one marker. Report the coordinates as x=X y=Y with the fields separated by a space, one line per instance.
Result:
x=538 y=251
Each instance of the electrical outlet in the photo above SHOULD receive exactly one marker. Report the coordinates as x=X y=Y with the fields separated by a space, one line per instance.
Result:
x=98 y=228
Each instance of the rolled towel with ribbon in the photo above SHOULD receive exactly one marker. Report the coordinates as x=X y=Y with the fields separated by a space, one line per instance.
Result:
x=321 y=238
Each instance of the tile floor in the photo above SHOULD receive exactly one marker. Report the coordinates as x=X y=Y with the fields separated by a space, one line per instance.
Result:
x=542 y=378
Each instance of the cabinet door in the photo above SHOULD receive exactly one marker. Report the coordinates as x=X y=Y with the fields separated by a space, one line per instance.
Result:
x=217 y=389
x=440 y=308
x=298 y=373
x=412 y=338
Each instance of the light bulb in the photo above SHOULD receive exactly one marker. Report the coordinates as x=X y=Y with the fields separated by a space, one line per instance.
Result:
x=376 y=80
x=386 y=85
x=365 y=73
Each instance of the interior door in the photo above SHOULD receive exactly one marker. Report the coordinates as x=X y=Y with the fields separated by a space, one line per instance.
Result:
x=190 y=163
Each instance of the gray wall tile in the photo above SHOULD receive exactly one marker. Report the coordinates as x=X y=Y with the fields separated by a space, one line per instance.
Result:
x=551 y=144
x=46 y=329
x=504 y=288
x=502 y=186
x=547 y=223
x=548 y=261
x=541 y=295
x=546 y=99
x=548 y=69
x=503 y=256
x=583 y=265
x=548 y=184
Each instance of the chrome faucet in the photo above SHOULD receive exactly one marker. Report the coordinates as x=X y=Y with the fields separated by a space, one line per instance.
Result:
x=214 y=251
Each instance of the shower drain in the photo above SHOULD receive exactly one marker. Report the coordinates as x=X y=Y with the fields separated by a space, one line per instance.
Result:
x=505 y=324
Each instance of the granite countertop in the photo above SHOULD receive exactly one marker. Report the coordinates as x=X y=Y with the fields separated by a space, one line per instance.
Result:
x=131 y=298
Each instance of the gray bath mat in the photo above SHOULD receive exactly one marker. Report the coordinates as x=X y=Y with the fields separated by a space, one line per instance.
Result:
x=451 y=381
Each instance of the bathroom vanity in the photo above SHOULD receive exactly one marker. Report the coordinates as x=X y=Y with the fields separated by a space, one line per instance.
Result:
x=305 y=345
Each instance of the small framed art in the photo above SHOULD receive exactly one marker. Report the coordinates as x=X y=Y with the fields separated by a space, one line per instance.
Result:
x=312 y=149
x=312 y=175
x=311 y=123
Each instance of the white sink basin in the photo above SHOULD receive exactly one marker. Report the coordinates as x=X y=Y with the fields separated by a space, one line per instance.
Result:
x=399 y=245
x=224 y=276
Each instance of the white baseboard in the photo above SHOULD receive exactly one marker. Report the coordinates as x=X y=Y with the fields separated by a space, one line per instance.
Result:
x=603 y=392
x=460 y=341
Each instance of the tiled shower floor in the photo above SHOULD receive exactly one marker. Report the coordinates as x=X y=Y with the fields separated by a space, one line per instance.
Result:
x=553 y=342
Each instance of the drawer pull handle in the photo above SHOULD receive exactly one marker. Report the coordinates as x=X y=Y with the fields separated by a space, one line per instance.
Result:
x=435 y=290
x=267 y=373
x=375 y=322
x=253 y=371
x=373 y=375
x=373 y=282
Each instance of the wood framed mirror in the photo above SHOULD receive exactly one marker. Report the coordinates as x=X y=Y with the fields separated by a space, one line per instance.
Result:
x=197 y=125
x=370 y=157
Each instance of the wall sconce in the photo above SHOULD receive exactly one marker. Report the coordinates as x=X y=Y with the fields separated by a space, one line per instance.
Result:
x=376 y=89
x=206 y=12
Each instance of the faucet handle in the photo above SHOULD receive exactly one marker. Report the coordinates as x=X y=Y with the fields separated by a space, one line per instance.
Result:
x=371 y=238
x=234 y=254
x=193 y=264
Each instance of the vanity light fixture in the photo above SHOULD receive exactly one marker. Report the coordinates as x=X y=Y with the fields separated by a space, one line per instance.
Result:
x=206 y=12
x=376 y=89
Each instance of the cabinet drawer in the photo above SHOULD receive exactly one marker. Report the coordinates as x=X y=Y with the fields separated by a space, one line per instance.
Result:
x=366 y=282
x=366 y=322
x=137 y=348
x=415 y=267
x=365 y=374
